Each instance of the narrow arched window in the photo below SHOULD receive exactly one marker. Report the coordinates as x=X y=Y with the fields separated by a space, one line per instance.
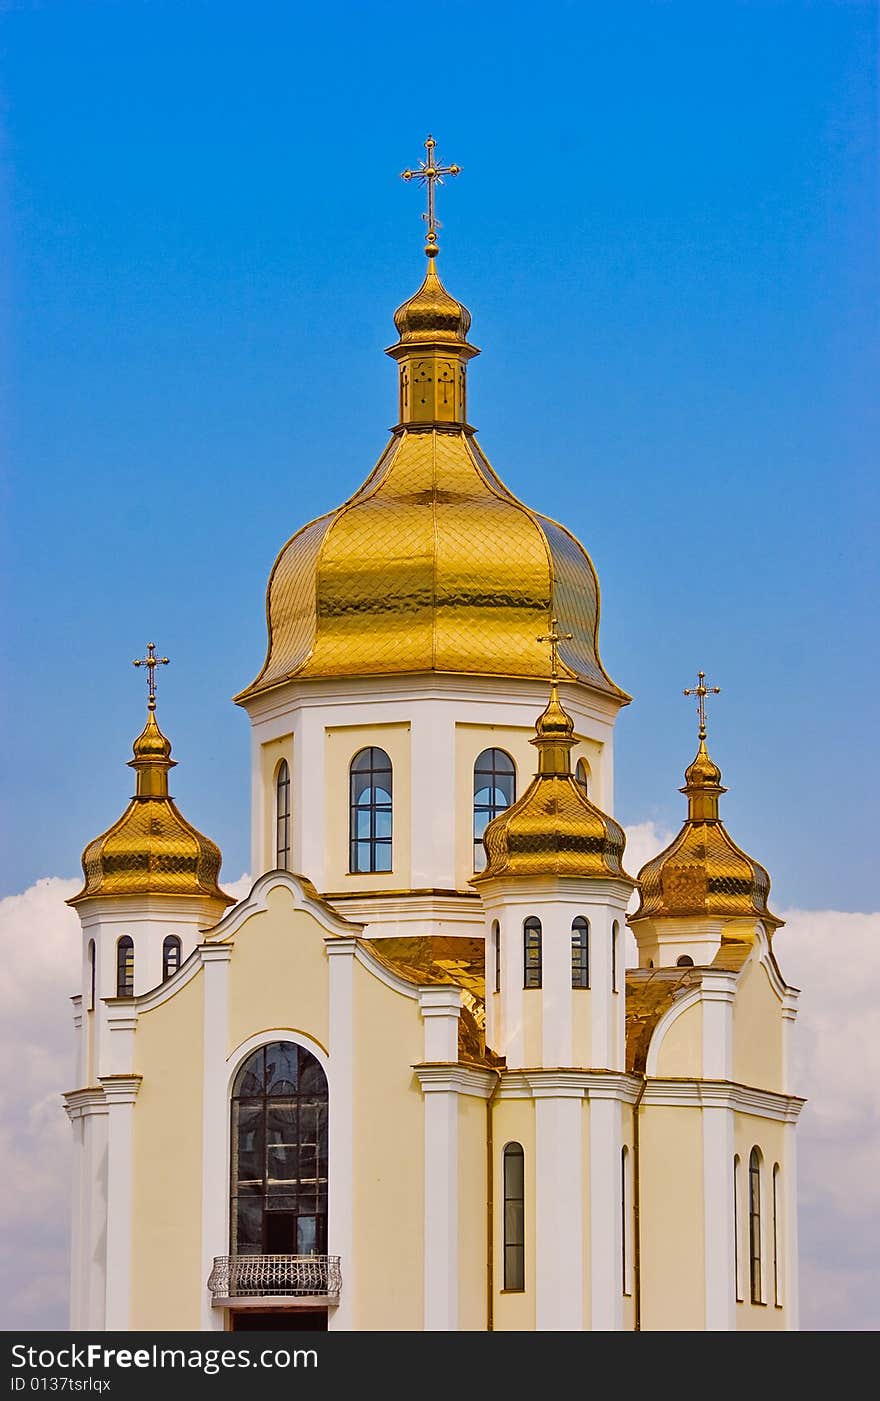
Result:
x=532 y=953
x=91 y=974
x=496 y=950
x=755 y=1226
x=514 y=1217
x=370 y=811
x=170 y=955
x=582 y=777
x=580 y=952
x=777 y=1237
x=685 y=961
x=278 y=1169
x=125 y=967
x=282 y=817
x=615 y=955
x=494 y=790
x=737 y=1244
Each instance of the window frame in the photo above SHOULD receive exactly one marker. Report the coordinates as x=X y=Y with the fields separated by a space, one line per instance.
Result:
x=580 y=966
x=513 y=1251
x=125 y=966
x=172 y=943
x=615 y=955
x=533 y=954
x=282 y=816
x=495 y=775
x=756 y=1272
x=375 y=844
x=496 y=947
x=582 y=779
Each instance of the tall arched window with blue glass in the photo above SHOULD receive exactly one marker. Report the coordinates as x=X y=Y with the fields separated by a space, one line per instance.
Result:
x=278 y=1183
x=494 y=790
x=370 y=811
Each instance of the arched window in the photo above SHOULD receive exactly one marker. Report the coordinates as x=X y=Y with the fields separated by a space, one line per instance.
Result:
x=625 y=1218
x=370 y=811
x=282 y=817
x=685 y=961
x=582 y=777
x=777 y=1241
x=170 y=955
x=737 y=1243
x=532 y=953
x=580 y=952
x=90 y=959
x=755 y=1226
x=615 y=955
x=125 y=967
x=514 y=1217
x=278 y=1170
x=494 y=790
x=496 y=949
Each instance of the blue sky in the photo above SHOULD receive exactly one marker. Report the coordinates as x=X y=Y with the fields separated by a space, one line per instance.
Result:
x=666 y=232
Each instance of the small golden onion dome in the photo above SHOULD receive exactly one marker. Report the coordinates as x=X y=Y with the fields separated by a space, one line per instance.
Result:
x=152 y=849
x=554 y=829
x=703 y=872
x=432 y=314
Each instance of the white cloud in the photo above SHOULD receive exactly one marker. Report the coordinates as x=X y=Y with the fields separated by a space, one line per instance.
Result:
x=831 y=956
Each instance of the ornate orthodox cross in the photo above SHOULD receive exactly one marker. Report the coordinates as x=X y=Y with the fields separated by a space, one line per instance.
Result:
x=554 y=638
x=430 y=173
x=151 y=661
x=701 y=691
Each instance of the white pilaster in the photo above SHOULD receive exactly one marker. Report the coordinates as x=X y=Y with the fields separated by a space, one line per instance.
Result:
x=440 y=1006
x=718 y=1219
x=790 y=1293
x=340 y=1135
x=87 y=1111
x=215 y=972
x=606 y=1262
x=559 y=1207
x=309 y=825
x=556 y=991
x=120 y=1092
x=432 y=839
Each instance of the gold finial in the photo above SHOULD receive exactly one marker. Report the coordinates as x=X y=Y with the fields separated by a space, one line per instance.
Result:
x=430 y=173
x=554 y=638
x=701 y=690
x=151 y=661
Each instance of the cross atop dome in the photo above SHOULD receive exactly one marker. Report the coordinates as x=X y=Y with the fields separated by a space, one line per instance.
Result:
x=430 y=173
x=151 y=661
x=701 y=691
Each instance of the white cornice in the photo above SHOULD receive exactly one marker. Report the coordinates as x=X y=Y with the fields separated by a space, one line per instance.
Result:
x=79 y=1104
x=575 y=890
x=723 y=1094
x=126 y=909
x=256 y=901
x=455 y=1078
x=120 y=1089
x=571 y=1084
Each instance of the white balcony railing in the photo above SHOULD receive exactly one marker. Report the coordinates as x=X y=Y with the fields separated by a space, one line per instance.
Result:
x=274 y=1276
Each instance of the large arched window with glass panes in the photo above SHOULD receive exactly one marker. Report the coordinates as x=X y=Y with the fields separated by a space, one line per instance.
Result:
x=278 y=1176
x=282 y=817
x=370 y=811
x=494 y=791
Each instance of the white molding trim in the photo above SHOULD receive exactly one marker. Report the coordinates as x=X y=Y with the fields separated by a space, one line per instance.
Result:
x=723 y=1094
x=79 y=1104
x=236 y=1059
x=257 y=899
x=583 y=1084
x=353 y=946
x=682 y=1003
x=455 y=1078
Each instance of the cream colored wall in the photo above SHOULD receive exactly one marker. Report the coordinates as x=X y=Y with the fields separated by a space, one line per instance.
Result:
x=757 y=1031
x=167 y=1279
x=581 y=1026
x=473 y=1213
x=681 y=1049
x=626 y=1141
x=389 y=1156
x=671 y=1219
x=513 y=1121
x=533 y=1025
x=769 y=1137
x=470 y=741
x=342 y=743
x=271 y=754
x=278 y=974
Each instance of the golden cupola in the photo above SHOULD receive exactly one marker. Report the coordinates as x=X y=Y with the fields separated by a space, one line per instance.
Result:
x=703 y=873
x=152 y=849
x=433 y=565
x=554 y=829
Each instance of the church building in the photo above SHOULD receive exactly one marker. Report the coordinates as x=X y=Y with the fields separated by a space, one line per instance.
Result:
x=408 y=1083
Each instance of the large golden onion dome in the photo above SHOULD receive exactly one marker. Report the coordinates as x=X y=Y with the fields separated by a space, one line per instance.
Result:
x=152 y=849
x=432 y=565
x=703 y=872
x=554 y=829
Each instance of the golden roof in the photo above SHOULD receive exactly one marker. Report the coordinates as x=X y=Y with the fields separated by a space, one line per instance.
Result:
x=152 y=849
x=432 y=565
x=554 y=829
x=703 y=872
